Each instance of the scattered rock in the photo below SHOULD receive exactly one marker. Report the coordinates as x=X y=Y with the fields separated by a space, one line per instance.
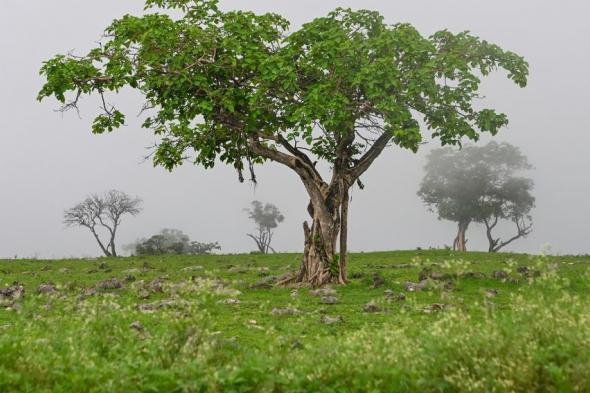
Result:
x=499 y=275
x=151 y=307
x=285 y=311
x=328 y=320
x=129 y=278
x=230 y=301
x=12 y=293
x=194 y=268
x=263 y=272
x=238 y=270
x=92 y=271
x=155 y=286
x=136 y=325
x=434 y=308
x=491 y=293
x=329 y=300
x=64 y=270
x=46 y=268
x=371 y=307
x=402 y=266
x=415 y=287
x=427 y=273
x=474 y=275
x=143 y=294
x=296 y=344
x=398 y=297
x=524 y=270
x=326 y=291
x=108 y=285
x=46 y=289
x=264 y=283
x=378 y=280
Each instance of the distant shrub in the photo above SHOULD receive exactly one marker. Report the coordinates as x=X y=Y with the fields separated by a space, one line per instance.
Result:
x=172 y=241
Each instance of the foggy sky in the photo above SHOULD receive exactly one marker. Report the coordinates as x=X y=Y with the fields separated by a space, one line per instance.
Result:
x=50 y=161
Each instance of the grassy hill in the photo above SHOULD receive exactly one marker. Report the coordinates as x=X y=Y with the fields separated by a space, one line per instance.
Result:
x=422 y=321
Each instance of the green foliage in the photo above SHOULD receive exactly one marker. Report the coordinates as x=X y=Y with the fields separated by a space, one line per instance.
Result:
x=171 y=241
x=217 y=80
x=533 y=336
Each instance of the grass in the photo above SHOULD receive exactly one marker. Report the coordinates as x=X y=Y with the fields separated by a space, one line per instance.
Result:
x=533 y=335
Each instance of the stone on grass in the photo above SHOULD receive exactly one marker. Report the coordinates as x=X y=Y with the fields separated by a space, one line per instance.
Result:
x=284 y=311
x=108 y=284
x=371 y=307
x=398 y=297
x=231 y=301
x=162 y=304
x=64 y=270
x=46 y=289
x=415 y=287
x=491 y=293
x=92 y=271
x=328 y=320
x=402 y=266
x=436 y=307
x=474 y=275
x=327 y=291
x=238 y=270
x=194 y=268
x=14 y=292
x=427 y=273
x=264 y=283
x=378 y=280
x=136 y=325
x=499 y=275
x=329 y=300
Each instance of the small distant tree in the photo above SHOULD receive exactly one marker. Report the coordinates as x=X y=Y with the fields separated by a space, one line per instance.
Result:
x=479 y=184
x=266 y=217
x=104 y=211
x=172 y=241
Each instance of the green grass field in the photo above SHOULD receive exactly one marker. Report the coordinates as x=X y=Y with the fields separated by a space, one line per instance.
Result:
x=479 y=322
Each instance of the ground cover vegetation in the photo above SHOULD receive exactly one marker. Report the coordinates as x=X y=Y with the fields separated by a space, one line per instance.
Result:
x=427 y=321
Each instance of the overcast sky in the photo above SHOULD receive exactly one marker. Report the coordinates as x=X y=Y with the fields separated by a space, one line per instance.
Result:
x=50 y=161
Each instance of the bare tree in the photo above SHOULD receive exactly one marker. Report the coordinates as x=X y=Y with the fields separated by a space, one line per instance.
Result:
x=267 y=217
x=103 y=211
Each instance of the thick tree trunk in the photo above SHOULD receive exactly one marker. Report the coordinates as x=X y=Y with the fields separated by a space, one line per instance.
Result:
x=460 y=243
x=321 y=263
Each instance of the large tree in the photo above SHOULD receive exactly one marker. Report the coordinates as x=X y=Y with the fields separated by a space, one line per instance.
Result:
x=479 y=184
x=103 y=211
x=237 y=87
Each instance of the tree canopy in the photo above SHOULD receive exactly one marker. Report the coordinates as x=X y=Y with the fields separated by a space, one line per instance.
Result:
x=240 y=88
x=479 y=184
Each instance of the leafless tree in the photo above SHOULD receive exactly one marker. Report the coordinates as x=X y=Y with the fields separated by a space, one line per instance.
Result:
x=103 y=211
